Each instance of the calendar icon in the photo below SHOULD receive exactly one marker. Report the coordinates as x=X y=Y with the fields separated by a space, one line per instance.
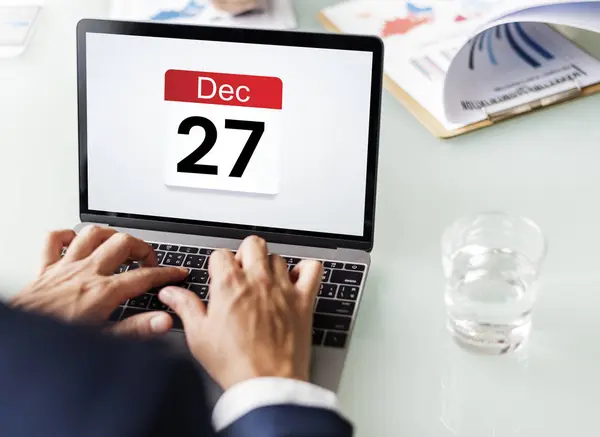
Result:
x=223 y=131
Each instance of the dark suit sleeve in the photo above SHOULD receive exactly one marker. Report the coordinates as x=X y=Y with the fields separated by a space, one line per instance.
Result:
x=59 y=380
x=64 y=381
x=289 y=421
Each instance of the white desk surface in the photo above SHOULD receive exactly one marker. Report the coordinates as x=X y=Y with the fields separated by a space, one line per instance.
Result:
x=403 y=376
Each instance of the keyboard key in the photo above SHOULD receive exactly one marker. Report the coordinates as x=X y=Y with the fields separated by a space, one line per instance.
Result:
x=116 y=314
x=154 y=245
x=327 y=321
x=346 y=277
x=206 y=251
x=332 y=306
x=140 y=301
x=335 y=339
x=291 y=266
x=134 y=266
x=333 y=265
x=291 y=260
x=130 y=312
x=200 y=290
x=154 y=291
x=185 y=249
x=347 y=292
x=159 y=256
x=327 y=290
x=157 y=305
x=177 y=323
x=173 y=259
x=169 y=247
x=355 y=267
x=194 y=261
x=317 y=337
x=198 y=276
x=326 y=275
x=122 y=269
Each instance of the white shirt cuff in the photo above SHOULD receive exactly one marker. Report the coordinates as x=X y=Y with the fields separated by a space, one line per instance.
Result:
x=256 y=393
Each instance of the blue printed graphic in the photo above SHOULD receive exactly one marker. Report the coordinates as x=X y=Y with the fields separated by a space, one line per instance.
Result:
x=192 y=9
x=490 y=48
x=518 y=49
x=415 y=10
x=517 y=39
x=531 y=43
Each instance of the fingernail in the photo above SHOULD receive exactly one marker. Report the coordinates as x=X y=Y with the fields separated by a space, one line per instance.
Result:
x=159 y=323
x=183 y=269
x=166 y=295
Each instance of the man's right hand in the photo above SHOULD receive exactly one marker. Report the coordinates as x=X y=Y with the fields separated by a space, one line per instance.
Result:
x=259 y=321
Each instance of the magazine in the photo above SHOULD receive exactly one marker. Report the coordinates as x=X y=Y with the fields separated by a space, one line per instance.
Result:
x=464 y=61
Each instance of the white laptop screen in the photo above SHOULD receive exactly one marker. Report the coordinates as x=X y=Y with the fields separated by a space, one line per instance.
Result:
x=232 y=133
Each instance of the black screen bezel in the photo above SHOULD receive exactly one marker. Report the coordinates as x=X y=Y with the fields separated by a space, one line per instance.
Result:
x=370 y=44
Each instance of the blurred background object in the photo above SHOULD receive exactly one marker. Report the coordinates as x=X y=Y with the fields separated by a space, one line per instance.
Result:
x=17 y=19
x=236 y=7
x=267 y=14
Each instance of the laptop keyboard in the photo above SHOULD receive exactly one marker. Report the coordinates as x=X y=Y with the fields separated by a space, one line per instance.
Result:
x=335 y=305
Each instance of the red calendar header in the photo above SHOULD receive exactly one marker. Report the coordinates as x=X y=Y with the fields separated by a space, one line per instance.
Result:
x=223 y=89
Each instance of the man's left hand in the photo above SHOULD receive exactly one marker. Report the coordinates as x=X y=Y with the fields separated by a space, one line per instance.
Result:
x=81 y=286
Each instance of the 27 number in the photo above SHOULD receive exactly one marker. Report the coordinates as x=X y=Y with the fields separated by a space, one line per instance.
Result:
x=190 y=163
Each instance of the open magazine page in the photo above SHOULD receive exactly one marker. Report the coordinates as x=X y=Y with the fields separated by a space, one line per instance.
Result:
x=420 y=37
x=511 y=65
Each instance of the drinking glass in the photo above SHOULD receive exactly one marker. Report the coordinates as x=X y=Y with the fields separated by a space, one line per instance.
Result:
x=492 y=265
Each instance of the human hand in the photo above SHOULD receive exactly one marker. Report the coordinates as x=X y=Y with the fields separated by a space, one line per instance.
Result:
x=81 y=287
x=259 y=321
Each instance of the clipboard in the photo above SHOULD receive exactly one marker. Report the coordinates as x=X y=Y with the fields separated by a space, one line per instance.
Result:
x=438 y=130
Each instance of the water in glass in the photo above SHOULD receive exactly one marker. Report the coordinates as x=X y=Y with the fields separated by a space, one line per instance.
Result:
x=489 y=296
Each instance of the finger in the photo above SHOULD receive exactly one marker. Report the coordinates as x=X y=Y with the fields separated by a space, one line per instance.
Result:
x=188 y=307
x=144 y=325
x=120 y=248
x=131 y=284
x=280 y=271
x=55 y=241
x=87 y=241
x=254 y=258
x=309 y=274
x=223 y=268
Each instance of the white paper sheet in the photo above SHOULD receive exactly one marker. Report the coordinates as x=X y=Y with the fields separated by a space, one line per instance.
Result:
x=420 y=40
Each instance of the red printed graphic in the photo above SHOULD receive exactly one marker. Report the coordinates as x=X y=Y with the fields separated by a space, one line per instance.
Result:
x=400 y=26
x=223 y=89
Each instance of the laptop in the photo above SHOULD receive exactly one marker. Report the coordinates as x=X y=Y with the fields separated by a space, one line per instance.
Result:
x=193 y=138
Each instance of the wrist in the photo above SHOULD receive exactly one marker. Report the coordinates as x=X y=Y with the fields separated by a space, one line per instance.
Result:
x=253 y=394
x=281 y=372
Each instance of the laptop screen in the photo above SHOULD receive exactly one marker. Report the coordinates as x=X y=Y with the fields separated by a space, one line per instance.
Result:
x=267 y=136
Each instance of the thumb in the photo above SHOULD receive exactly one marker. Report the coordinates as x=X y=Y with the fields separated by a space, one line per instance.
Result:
x=186 y=305
x=144 y=325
